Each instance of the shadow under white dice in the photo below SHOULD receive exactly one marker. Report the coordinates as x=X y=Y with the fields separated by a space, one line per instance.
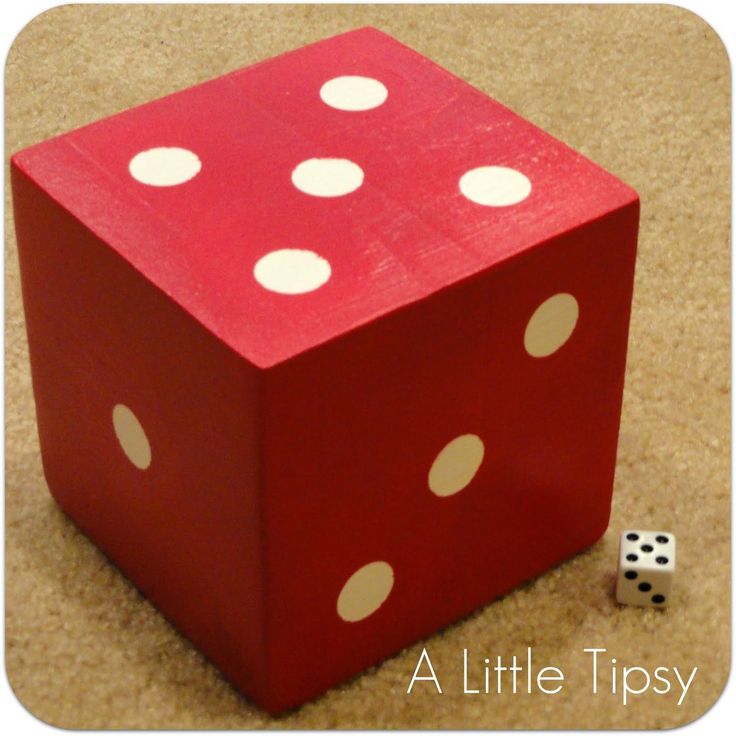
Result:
x=646 y=567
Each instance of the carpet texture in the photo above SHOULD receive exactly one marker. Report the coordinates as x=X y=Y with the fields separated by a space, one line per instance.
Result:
x=643 y=91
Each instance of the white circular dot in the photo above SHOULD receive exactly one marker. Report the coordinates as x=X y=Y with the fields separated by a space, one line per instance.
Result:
x=551 y=325
x=164 y=167
x=456 y=465
x=292 y=271
x=327 y=177
x=131 y=436
x=495 y=186
x=353 y=94
x=365 y=591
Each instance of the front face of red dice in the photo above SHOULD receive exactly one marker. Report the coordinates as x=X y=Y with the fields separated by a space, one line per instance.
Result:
x=437 y=459
x=433 y=296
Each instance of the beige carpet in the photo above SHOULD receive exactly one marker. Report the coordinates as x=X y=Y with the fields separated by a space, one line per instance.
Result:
x=642 y=90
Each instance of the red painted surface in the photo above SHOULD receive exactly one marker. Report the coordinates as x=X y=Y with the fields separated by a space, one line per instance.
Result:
x=292 y=435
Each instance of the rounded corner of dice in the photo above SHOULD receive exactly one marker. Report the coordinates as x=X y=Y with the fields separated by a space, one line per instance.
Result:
x=290 y=440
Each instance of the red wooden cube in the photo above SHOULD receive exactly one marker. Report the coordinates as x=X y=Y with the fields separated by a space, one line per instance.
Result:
x=327 y=352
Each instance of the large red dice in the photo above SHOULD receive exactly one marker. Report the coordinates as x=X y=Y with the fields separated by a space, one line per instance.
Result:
x=327 y=352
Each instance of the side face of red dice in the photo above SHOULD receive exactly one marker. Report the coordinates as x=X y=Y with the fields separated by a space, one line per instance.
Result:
x=327 y=352
x=148 y=434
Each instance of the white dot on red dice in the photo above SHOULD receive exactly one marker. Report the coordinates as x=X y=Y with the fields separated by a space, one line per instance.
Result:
x=456 y=465
x=164 y=167
x=365 y=591
x=131 y=436
x=551 y=325
x=292 y=271
x=495 y=186
x=327 y=177
x=353 y=93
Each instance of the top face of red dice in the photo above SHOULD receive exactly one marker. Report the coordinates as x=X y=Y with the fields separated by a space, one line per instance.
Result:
x=288 y=203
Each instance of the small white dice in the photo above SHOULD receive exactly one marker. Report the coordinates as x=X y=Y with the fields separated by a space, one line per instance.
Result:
x=646 y=567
